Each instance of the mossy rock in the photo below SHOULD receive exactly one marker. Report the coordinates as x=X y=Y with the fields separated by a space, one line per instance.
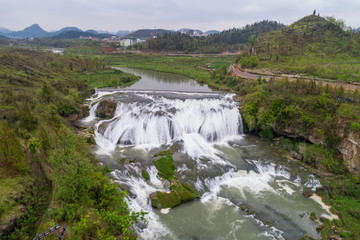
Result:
x=163 y=153
x=91 y=130
x=91 y=140
x=190 y=189
x=166 y=167
x=85 y=110
x=307 y=193
x=313 y=216
x=178 y=194
x=165 y=200
x=145 y=174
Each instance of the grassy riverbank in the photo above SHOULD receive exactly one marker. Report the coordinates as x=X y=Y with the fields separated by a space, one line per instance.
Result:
x=48 y=174
x=198 y=66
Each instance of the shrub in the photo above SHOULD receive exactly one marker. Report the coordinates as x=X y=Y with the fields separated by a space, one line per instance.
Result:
x=65 y=108
x=11 y=153
x=249 y=62
x=27 y=120
x=322 y=158
x=348 y=111
x=286 y=144
x=355 y=126
x=267 y=133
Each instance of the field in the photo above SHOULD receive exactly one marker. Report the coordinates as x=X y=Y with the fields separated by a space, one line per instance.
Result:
x=337 y=68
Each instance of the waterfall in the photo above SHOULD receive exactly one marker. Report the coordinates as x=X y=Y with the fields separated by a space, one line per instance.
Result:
x=153 y=120
x=229 y=170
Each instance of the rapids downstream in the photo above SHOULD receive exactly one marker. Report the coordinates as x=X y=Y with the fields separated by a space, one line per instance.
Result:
x=247 y=191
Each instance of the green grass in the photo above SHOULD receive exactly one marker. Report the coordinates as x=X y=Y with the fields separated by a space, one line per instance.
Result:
x=339 y=67
x=344 y=198
x=9 y=189
x=108 y=78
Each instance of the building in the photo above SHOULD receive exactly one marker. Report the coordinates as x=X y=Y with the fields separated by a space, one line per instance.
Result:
x=127 y=41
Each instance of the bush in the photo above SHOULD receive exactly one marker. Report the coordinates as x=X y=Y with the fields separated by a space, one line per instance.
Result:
x=355 y=126
x=348 y=111
x=249 y=62
x=11 y=154
x=267 y=133
x=286 y=144
x=27 y=120
x=65 y=108
x=322 y=158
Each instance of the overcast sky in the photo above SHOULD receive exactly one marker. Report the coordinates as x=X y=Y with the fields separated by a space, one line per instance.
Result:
x=114 y=15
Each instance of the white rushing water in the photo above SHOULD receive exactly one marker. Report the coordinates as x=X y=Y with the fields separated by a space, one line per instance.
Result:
x=151 y=120
x=228 y=169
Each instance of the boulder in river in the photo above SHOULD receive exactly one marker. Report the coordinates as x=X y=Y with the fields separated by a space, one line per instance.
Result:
x=106 y=108
x=179 y=193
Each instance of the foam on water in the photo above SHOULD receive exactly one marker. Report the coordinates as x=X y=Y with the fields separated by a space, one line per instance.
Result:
x=156 y=120
x=254 y=181
x=140 y=189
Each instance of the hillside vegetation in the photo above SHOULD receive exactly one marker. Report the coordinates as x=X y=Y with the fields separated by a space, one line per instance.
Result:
x=312 y=46
x=48 y=174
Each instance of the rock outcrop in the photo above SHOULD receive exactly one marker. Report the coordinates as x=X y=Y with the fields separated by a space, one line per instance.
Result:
x=106 y=108
x=350 y=150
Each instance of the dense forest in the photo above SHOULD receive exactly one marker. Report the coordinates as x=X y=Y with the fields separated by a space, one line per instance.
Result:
x=231 y=40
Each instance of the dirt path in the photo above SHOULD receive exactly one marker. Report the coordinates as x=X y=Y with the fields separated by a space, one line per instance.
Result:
x=253 y=76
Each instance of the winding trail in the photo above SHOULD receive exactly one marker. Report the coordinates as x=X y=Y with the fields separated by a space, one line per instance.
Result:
x=253 y=76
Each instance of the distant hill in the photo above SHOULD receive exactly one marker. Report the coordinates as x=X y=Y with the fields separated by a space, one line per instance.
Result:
x=212 y=32
x=33 y=31
x=68 y=29
x=2 y=36
x=77 y=35
x=309 y=34
x=357 y=29
x=242 y=35
x=148 y=33
x=5 y=30
x=197 y=32
x=92 y=31
x=122 y=33
x=229 y=40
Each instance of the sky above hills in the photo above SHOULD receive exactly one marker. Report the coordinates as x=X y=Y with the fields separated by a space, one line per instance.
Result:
x=113 y=15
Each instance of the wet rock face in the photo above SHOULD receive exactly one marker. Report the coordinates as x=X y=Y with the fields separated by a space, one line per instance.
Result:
x=106 y=108
x=350 y=149
x=8 y=226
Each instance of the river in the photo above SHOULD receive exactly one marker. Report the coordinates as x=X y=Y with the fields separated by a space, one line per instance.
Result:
x=247 y=190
